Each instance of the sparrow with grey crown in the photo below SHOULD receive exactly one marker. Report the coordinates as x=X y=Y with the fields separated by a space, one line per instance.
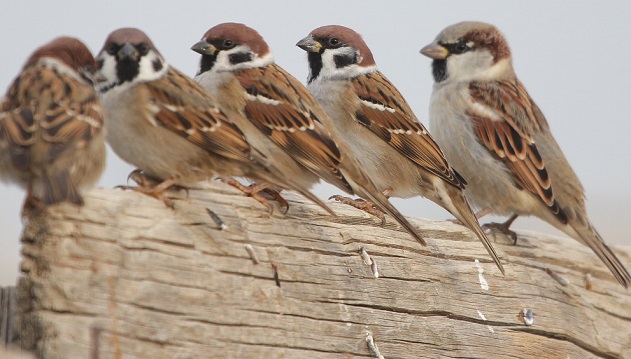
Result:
x=495 y=135
x=51 y=126
x=379 y=126
x=279 y=115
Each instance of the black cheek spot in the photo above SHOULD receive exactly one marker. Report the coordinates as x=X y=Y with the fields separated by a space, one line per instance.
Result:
x=157 y=65
x=344 y=60
x=240 y=57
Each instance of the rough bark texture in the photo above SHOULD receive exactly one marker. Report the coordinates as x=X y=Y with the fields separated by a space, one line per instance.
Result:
x=127 y=277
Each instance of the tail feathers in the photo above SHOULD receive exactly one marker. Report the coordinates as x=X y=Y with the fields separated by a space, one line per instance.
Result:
x=58 y=187
x=592 y=239
x=465 y=215
x=380 y=200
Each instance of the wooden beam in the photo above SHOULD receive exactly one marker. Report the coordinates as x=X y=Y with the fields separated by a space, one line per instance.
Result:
x=126 y=277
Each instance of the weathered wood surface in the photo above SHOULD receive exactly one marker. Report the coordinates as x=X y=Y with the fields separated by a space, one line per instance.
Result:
x=7 y=313
x=126 y=277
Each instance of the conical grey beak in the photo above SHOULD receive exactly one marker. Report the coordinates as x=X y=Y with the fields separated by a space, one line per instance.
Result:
x=128 y=52
x=204 y=48
x=435 y=51
x=309 y=44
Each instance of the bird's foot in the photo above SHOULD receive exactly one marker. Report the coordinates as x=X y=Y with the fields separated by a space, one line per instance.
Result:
x=144 y=180
x=504 y=228
x=254 y=190
x=274 y=194
x=152 y=189
x=363 y=205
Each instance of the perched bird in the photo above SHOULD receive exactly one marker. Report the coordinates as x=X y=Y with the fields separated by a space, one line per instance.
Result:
x=279 y=115
x=237 y=68
x=167 y=125
x=499 y=140
x=51 y=125
x=379 y=126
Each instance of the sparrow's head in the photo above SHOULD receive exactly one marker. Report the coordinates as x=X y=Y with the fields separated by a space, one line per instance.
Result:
x=230 y=47
x=129 y=56
x=336 y=52
x=68 y=51
x=469 y=51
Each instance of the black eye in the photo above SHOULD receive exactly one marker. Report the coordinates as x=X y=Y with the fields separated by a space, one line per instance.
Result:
x=112 y=49
x=334 y=41
x=143 y=49
x=228 y=44
x=460 y=48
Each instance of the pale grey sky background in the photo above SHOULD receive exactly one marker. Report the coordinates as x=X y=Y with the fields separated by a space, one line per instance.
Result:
x=573 y=57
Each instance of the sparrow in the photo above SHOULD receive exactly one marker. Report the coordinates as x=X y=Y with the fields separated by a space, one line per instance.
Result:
x=237 y=68
x=280 y=116
x=167 y=125
x=500 y=141
x=51 y=126
x=379 y=127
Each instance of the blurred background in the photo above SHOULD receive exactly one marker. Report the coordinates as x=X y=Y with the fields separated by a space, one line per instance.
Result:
x=572 y=56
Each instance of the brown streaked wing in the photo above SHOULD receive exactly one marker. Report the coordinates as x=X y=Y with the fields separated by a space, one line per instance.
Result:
x=182 y=106
x=70 y=114
x=509 y=137
x=386 y=113
x=281 y=107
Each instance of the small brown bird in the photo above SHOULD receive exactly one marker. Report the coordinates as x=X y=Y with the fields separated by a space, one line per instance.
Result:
x=379 y=126
x=497 y=137
x=166 y=124
x=51 y=125
x=237 y=68
x=280 y=115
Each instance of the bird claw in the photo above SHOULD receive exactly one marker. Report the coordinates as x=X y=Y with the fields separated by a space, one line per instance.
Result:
x=363 y=205
x=278 y=198
x=254 y=191
x=146 y=181
x=502 y=228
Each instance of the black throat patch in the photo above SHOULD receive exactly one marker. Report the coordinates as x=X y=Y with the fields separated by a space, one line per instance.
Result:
x=127 y=70
x=439 y=70
x=207 y=63
x=315 y=65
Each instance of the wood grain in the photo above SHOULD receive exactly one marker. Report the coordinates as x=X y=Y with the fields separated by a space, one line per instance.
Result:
x=126 y=277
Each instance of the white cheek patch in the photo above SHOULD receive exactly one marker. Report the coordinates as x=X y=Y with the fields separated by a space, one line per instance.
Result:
x=330 y=70
x=223 y=64
x=469 y=66
x=107 y=71
x=146 y=70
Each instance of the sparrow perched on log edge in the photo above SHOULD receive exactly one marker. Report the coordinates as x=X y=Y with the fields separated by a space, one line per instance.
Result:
x=51 y=125
x=495 y=135
x=379 y=126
